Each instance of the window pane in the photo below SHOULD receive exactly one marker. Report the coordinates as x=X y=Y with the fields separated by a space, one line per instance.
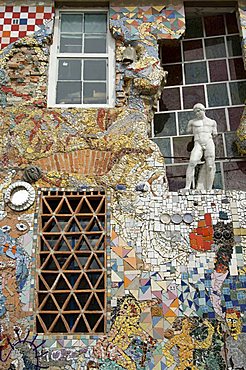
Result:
x=175 y=76
x=176 y=177
x=234 y=46
x=165 y=124
x=214 y=25
x=95 y=44
x=215 y=48
x=238 y=92
x=231 y=23
x=95 y=70
x=193 y=50
x=170 y=99
x=218 y=70
x=165 y=148
x=193 y=95
x=69 y=69
x=68 y=92
x=231 y=148
x=193 y=28
x=71 y=23
x=237 y=70
x=94 y=93
x=171 y=51
x=181 y=148
x=184 y=118
x=95 y=23
x=235 y=114
x=196 y=73
x=219 y=146
x=235 y=175
x=219 y=116
x=217 y=95
x=71 y=43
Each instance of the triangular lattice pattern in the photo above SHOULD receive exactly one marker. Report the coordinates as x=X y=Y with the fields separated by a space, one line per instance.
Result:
x=71 y=283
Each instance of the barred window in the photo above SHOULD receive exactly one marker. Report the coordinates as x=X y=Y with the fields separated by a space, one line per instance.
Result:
x=71 y=263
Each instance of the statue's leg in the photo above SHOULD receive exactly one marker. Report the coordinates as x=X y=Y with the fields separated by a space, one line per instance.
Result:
x=210 y=164
x=195 y=157
x=211 y=169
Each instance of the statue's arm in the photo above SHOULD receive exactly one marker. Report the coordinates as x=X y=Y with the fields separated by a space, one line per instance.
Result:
x=189 y=127
x=214 y=132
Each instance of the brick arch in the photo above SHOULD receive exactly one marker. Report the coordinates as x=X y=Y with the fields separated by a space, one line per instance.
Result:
x=84 y=162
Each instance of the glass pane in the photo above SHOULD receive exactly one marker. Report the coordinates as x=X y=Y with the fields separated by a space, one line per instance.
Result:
x=69 y=69
x=196 y=73
x=235 y=114
x=219 y=146
x=95 y=23
x=218 y=70
x=193 y=28
x=193 y=50
x=218 y=182
x=234 y=46
x=237 y=70
x=235 y=175
x=217 y=95
x=238 y=92
x=71 y=43
x=170 y=99
x=95 y=70
x=183 y=119
x=176 y=177
x=219 y=116
x=181 y=148
x=164 y=124
x=193 y=95
x=231 y=23
x=165 y=148
x=68 y=92
x=171 y=51
x=94 y=93
x=95 y=44
x=174 y=75
x=214 y=25
x=71 y=23
x=215 y=48
x=231 y=148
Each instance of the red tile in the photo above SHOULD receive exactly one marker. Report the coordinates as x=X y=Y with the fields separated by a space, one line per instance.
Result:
x=31 y=27
x=9 y=9
x=201 y=223
x=208 y=219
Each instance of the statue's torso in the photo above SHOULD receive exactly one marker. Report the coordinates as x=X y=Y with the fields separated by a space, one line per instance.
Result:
x=202 y=130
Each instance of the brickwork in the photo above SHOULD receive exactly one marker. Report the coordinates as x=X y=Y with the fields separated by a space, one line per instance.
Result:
x=85 y=162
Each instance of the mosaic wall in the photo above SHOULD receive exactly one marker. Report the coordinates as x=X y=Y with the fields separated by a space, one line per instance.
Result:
x=175 y=261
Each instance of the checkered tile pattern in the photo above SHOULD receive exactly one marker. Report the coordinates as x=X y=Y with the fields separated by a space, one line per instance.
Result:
x=20 y=21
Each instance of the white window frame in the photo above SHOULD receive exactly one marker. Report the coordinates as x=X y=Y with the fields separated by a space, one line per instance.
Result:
x=55 y=55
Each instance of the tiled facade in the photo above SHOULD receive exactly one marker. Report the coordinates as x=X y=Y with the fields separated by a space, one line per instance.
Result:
x=151 y=279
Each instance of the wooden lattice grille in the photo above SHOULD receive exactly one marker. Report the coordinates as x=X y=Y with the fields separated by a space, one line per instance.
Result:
x=71 y=263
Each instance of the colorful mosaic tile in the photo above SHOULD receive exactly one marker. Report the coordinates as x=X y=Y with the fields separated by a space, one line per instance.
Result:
x=20 y=21
x=144 y=22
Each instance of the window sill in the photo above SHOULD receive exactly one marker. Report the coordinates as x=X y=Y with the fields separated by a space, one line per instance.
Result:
x=81 y=106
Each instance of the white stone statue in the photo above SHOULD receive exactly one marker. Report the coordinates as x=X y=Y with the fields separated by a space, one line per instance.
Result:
x=203 y=129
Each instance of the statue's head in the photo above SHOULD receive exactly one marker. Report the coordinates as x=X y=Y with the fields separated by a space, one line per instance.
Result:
x=199 y=110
